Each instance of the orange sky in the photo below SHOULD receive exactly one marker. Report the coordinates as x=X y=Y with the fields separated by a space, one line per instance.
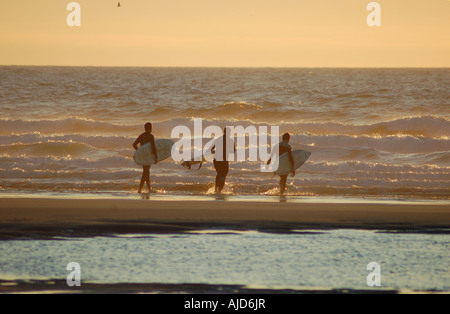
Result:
x=241 y=33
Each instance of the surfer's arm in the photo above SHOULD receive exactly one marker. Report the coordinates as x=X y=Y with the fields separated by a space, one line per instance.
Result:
x=135 y=144
x=275 y=150
x=152 y=141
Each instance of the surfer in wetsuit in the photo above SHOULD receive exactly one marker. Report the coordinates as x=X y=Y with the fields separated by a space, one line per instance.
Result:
x=221 y=163
x=144 y=138
x=285 y=147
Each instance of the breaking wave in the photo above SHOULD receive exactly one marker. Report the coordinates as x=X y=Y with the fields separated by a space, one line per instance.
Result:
x=427 y=126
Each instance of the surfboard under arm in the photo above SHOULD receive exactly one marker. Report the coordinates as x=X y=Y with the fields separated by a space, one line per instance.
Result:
x=285 y=166
x=144 y=156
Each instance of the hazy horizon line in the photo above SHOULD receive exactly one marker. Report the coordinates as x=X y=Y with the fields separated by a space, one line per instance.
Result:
x=228 y=67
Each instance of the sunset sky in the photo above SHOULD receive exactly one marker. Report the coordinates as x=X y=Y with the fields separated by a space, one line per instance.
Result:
x=241 y=33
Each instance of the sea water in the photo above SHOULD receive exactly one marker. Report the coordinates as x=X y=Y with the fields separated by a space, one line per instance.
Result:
x=307 y=260
x=373 y=133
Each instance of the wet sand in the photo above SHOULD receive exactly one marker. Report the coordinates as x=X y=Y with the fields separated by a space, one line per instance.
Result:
x=49 y=218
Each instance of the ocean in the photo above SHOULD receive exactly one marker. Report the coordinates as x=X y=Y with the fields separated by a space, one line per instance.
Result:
x=307 y=260
x=373 y=133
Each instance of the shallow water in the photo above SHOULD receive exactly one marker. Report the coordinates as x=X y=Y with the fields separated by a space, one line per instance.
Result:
x=310 y=259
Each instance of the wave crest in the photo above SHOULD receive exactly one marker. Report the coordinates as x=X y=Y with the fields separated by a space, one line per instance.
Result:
x=427 y=126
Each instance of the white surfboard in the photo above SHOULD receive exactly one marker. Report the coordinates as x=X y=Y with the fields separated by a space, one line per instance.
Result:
x=284 y=167
x=144 y=155
x=195 y=161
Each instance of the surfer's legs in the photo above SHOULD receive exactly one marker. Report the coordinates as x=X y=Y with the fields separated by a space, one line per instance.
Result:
x=222 y=168
x=283 y=181
x=220 y=182
x=145 y=178
x=216 y=188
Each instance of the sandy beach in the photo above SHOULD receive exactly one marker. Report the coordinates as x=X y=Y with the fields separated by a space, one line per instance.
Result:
x=41 y=218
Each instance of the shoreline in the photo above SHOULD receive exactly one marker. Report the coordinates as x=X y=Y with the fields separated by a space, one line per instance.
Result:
x=58 y=286
x=50 y=218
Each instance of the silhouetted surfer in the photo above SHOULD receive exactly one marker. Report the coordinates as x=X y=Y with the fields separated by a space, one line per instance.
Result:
x=221 y=163
x=285 y=147
x=144 y=138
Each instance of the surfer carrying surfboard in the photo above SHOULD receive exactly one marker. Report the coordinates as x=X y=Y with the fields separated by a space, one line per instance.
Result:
x=284 y=147
x=221 y=158
x=144 y=138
